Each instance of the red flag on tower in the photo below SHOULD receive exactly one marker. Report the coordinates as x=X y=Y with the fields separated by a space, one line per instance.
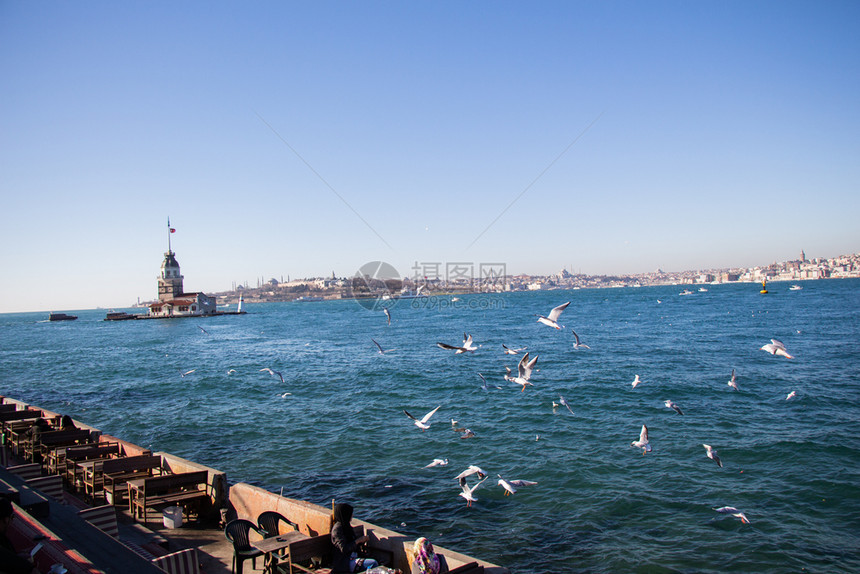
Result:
x=172 y=230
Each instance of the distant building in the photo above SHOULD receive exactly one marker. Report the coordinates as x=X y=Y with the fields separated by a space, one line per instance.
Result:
x=173 y=301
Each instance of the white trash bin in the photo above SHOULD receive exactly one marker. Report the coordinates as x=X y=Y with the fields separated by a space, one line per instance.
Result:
x=173 y=517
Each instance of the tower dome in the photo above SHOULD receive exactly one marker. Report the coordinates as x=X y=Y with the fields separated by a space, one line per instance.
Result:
x=170 y=279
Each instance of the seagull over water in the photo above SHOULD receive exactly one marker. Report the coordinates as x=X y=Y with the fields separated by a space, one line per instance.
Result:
x=712 y=454
x=484 y=384
x=734 y=512
x=791 y=395
x=186 y=372
x=524 y=371
x=468 y=345
x=672 y=405
x=776 y=348
x=564 y=402
x=469 y=490
x=423 y=424
x=202 y=329
x=381 y=350
x=473 y=469
x=387 y=314
x=509 y=351
x=636 y=381
x=733 y=382
x=552 y=319
x=511 y=486
x=438 y=462
x=643 y=441
x=273 y=373
x=577 y=344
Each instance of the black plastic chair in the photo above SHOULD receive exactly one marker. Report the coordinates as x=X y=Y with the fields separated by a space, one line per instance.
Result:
x=238 y=532
x=269 y=522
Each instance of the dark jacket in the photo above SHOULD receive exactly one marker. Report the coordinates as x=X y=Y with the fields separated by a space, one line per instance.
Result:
x=343 y=540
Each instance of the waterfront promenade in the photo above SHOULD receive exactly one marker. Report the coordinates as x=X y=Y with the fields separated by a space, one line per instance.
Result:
x=48 y=506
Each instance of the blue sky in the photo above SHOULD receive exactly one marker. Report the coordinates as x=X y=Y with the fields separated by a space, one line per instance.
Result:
x=300 y=138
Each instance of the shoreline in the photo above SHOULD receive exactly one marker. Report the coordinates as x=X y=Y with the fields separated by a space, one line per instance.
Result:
x=231 y=501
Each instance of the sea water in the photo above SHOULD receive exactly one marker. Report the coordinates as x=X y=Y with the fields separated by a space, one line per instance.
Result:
x=335 y=428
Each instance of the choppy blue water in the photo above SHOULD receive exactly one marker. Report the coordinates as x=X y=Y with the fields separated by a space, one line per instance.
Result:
x=792 y=466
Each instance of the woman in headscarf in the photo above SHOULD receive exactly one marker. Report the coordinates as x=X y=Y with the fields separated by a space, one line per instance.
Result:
x=345 y=556
x=426 y=560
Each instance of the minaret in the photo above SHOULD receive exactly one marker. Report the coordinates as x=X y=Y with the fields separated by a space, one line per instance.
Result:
x=170 y=279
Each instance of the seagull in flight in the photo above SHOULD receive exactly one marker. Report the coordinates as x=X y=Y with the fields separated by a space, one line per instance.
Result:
x=712 y=454
x=186 y=372
x=387 y=314
x=273 y=373
x=776 y=348
x=231 y=371
x=484 y=384
x=438 y=462
x=636 y=381
x=509 y=351
x=577 y=344
x=791 y=395
x=202 y=329
x=524 y=371
x=733 y=382
x=423 y=424
x=473 y=469
x=381 y=350
x=673 y=405
x=564 y=402
x=467 y=490
x=643 y=441
x=511 y=486
x=552 y=319
x=734 y=512
x=468 y=345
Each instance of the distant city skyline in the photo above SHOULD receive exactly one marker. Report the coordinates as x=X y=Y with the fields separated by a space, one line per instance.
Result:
x=287 y=138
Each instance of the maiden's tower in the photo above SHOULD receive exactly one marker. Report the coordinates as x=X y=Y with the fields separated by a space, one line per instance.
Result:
x=173 y=301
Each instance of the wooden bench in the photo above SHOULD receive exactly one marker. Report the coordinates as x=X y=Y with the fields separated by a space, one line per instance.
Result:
x=103 y=518
x=181 y=562
x=49 y=440
x=314 y=550
x=65 y=459
x=167 y=490
x=313 y=555
x=112 y=475
x=48 y=485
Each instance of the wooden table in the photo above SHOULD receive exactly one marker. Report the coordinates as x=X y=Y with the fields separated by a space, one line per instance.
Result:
x=271 y=546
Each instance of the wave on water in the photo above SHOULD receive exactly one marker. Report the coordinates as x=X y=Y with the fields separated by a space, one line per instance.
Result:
x=335 y=427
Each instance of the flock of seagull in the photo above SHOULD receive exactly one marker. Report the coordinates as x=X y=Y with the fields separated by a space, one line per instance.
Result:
x=525 y=368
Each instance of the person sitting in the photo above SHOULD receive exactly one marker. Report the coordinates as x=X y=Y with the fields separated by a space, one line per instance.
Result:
x=10 y=561
x=426 y=560
x=66 y=423
x=35 y=435
x=345 y=556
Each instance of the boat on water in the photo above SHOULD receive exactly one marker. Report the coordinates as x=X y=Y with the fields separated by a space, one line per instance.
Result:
x=61 y=317
x=795 y=288
x=120 y=316
x=304 y=299
x=702 y=290
x=685 y=292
